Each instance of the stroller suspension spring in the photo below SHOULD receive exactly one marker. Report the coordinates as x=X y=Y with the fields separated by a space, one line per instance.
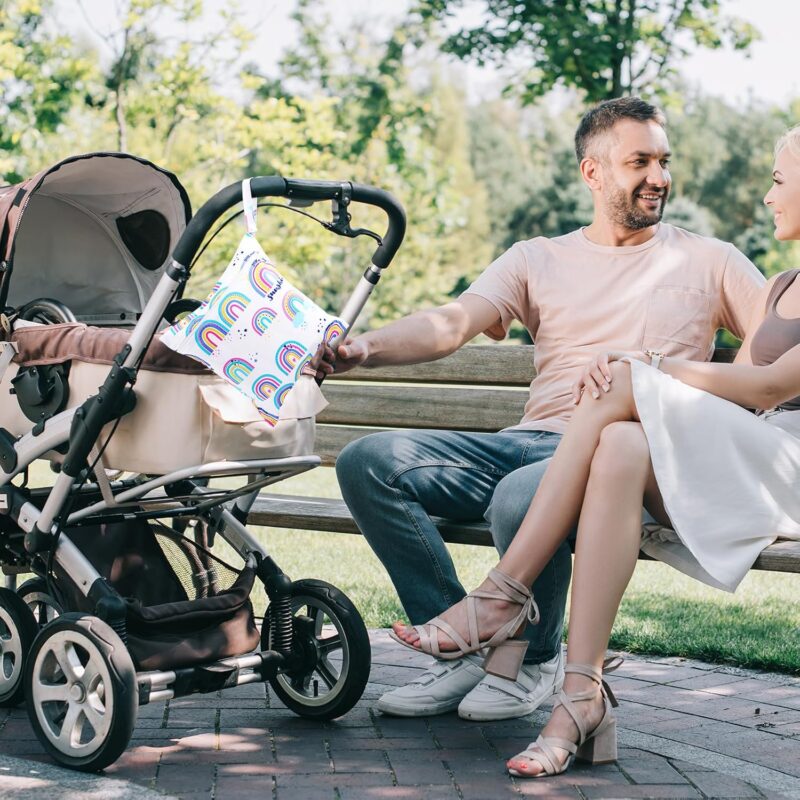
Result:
x=282 y=623
x=281 y=619
x=281 y=612
x=120 y=627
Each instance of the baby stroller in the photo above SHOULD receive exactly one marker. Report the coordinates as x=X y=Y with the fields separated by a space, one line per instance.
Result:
x=129 y=605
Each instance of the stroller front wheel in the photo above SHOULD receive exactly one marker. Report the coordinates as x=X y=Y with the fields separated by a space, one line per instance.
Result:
x=331 y=649
x=17 y=632
x=81 y=688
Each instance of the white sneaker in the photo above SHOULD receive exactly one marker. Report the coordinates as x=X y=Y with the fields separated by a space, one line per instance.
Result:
x=438 y=690
x=498 y=698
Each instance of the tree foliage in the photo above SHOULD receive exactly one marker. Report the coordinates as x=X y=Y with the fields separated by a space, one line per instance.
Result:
x=603 y=48
x=348 y=106
x=41 y=74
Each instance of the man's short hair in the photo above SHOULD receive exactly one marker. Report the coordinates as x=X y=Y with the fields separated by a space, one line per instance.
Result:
x=603 y=117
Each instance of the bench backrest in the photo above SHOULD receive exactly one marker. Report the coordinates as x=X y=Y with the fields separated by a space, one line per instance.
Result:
x=478 y=388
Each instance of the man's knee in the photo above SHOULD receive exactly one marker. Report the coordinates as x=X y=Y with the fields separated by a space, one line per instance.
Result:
x=374 y=461
x=511 y=500
x=366 y=458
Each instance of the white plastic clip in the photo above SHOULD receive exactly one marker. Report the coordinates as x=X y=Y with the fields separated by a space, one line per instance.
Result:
x=250 y=206
x=7 y=351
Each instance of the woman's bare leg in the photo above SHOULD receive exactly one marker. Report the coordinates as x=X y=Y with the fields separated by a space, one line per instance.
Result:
x=557 y=504
x=609 y=535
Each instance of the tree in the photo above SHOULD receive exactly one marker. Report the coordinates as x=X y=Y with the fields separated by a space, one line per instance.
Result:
x=685 y=213
x=155 y=79
x=41 y=78
x=411 y=138
x=603 y=48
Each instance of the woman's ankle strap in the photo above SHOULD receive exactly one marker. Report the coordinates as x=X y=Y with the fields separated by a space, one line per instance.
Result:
x=585 y=669
x=514 y=589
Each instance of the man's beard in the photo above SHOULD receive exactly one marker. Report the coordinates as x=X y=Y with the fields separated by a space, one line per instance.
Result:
x=622 y=208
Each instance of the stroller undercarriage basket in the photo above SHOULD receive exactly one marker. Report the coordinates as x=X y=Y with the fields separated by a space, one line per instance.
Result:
x=184 y=605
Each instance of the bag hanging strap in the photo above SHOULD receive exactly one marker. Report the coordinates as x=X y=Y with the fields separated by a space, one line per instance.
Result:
x=7 y=351
x=250 y=206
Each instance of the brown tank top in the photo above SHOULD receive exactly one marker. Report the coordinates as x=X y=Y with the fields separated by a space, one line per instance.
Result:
x=776 y=335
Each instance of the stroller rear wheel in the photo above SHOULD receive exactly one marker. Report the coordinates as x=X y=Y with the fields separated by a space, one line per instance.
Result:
x=331 y=652
x=82 y=693
x=40 y=601
x=17 y=632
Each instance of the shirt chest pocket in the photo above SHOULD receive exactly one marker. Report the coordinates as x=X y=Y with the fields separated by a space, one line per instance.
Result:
x=679 y=315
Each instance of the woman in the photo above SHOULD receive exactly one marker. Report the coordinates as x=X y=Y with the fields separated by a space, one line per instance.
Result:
x=675 y=435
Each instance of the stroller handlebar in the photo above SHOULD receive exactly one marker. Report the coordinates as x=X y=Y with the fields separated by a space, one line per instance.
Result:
x=275 y=186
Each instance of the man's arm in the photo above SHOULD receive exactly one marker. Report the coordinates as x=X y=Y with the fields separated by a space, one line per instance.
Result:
x=422 y=336
x=740 y=293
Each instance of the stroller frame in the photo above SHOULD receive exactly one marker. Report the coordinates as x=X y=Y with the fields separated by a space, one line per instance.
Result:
x=181 y=493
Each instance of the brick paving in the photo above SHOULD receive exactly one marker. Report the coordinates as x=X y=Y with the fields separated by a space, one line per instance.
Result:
x=686 y=730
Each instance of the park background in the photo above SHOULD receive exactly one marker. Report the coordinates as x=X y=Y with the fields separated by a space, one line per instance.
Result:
x=465 y=110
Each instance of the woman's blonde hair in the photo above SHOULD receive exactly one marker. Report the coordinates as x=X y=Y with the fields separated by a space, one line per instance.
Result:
x=790 y=139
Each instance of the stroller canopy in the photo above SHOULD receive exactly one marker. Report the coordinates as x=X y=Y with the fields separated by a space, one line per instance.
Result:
x=94 y=232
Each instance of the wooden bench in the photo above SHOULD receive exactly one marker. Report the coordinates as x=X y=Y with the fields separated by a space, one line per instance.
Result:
x=478 y=388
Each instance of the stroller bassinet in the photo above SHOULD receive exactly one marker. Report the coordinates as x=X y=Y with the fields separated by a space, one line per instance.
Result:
x=97 y=231
x=60 y=366
x=93 y=397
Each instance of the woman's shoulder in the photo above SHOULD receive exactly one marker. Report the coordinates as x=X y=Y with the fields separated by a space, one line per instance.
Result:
x=774 y=284
x=780 y=279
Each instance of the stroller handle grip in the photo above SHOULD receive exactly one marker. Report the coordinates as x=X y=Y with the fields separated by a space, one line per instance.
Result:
x=275 y=186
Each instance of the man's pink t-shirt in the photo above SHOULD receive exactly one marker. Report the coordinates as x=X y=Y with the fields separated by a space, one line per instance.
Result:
x=578 y=299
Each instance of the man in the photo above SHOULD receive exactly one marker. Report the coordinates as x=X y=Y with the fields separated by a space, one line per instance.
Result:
x=625 y=282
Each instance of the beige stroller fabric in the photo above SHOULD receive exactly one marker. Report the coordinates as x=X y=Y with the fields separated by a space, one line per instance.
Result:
x=182 y=418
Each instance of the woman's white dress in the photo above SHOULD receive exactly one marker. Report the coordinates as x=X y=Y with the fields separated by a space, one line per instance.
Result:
x=730 y=480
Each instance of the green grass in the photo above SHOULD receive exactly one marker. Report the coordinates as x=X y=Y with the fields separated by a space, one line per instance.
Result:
x=663 y=612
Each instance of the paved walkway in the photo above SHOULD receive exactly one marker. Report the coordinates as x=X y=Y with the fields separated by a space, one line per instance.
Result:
x=686 y=730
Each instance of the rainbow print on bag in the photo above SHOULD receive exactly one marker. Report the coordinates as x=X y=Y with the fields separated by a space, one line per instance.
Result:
x=256 y=331
x=294 y=307
x=280 y=397
x=289 y=356
x=193 y=320
x=237 y=369
x=266 y=386
x=262 y=319
x=263 y=278
x=270 y=419
x=209 y=336
x=301 y=366
x=334 y=331
x=231 y=306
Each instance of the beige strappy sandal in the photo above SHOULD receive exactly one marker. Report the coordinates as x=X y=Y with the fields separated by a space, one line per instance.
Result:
x=598 y=746
x=505 y=652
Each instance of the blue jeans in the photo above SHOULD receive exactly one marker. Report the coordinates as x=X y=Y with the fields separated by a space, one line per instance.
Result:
x=394 y=482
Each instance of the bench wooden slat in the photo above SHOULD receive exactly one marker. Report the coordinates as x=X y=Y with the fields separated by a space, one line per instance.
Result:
x=382 y=405
x=483 y=364
x=324 y=514
x=330 y=439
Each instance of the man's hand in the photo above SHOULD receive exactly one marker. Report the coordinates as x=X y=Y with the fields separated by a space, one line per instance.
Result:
x=351 y=353
x=596 y=375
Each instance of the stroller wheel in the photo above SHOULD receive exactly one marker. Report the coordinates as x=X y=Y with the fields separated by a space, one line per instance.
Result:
x=82 y=693
x=331 y=652
x=17 y=632
x=40 y=601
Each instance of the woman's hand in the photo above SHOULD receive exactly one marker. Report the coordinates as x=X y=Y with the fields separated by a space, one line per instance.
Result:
x=596 y=375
